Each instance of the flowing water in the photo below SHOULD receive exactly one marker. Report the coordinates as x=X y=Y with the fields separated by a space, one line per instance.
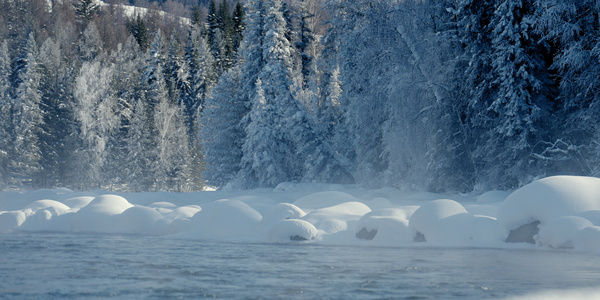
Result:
x=48 y=265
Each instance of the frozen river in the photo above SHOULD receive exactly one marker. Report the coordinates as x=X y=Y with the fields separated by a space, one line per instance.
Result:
x=48 y=265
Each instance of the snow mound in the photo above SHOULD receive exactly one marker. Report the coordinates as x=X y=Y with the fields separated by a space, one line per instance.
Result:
x=560 y=232
x=162 y=204
x=177 y=225
x=280 y=212
x=187 y=211
x=11 y=220
x=335 y=218
x=587 y=239
x=386 y=225
x=226 y=219
x=136 y=220
x=446 y=220
x=324 y=199
x=55 y=206
x=98 y=215
x=547 y=199
x=592 y=215
x=292 y=230
x=78 y=202
x=47 y=215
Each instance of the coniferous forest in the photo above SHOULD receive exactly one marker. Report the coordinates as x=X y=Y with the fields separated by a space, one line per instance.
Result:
x=438 y=95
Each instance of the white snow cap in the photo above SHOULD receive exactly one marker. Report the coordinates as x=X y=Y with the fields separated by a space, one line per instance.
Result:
x=550 y=198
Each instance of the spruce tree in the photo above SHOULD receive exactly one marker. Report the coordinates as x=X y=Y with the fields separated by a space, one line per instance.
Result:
x=27 y=117
x=222 y=133
x=5 y=116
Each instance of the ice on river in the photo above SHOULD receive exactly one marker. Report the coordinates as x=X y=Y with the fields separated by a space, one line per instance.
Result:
x=554 y=212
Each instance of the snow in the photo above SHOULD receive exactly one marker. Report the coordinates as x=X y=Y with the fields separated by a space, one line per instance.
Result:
x=562 y=212
x=550 y=198
x=99 y=214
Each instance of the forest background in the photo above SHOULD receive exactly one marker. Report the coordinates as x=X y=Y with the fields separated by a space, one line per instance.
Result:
x=438 y=95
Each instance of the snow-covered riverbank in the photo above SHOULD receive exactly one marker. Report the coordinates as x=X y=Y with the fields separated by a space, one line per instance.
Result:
x=556 y=212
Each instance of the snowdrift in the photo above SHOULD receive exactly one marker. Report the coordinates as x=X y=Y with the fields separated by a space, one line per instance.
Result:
x=554 y=212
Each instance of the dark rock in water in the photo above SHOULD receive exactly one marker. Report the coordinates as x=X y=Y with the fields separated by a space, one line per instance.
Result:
x=419 y=237
x=364 y=234
x=524 y=234
x=298 y=238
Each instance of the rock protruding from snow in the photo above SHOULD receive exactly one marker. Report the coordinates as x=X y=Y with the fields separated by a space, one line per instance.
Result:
x=388 y=226
x=292 y=230
x=446 y=220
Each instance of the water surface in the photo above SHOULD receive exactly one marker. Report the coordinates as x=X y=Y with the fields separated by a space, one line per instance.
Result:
x=48 y=265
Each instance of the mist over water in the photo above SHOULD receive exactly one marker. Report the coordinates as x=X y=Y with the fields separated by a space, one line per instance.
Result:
x=45 y=265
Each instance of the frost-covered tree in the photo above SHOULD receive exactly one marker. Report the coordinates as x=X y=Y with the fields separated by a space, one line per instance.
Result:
x=362 y=73
x=518 y=105
x=202 y=76
x=176 y=70
x=222 y=133
x=571 y=29
x=57 y=102
x=172 y=148
x=264 y=161
x=5 y=116
x=290 y=127
x=85 y=9
x=27 y=116
x=90 y=43
x=126 y=84
x=140 y=164
x=97 y=119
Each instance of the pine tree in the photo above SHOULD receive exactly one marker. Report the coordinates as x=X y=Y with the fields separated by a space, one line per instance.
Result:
x=570 y=30
x=519 y=102
x=140 y=164
x=85 y=10
x=238 y=27
x=264 y=160
x=5 y=117
x=202 y=76
x=222 y=133
x=126 y=85
x=27 y=117
x=57 y=100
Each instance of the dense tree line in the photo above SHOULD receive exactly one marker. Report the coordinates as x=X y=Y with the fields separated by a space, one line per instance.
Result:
x=444 y=95
x=439 y=95
x=93 y=98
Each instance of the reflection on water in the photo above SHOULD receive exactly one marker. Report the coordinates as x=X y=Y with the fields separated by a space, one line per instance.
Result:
x=45 y=265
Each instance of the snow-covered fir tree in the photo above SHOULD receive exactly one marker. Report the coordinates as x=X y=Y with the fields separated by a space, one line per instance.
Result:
x=57 y=102
x=222 y=133
x=27 y=116
x=97 y=120
x=519 y=103
x=571 y=27
x=126 y=84
x=5 y=116
x=264 y=161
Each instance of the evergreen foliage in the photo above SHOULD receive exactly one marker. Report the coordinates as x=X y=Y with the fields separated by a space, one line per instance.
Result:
x=450 y=95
